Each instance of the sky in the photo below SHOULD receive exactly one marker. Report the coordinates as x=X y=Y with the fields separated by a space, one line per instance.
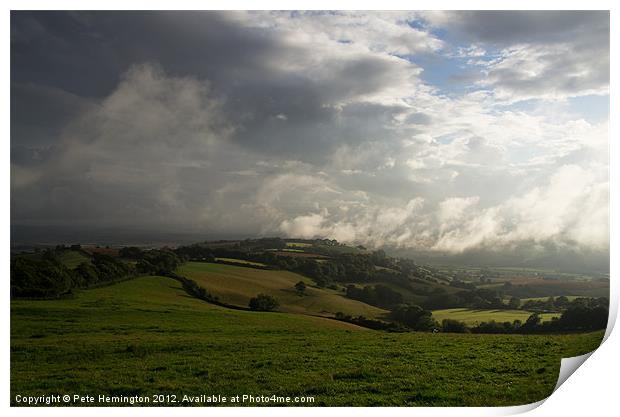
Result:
x=443 y=131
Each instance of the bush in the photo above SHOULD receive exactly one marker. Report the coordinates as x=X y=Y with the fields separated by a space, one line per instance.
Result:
x=40 y=278
x=158 y=262
x=454 y=326
x=130 y=252
x=378 y=295
x=300 y=287
x=263 y=302
x=414 y=317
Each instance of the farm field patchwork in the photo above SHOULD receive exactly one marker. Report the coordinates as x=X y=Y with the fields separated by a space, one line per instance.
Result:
x=473 y=317
x=147 y=336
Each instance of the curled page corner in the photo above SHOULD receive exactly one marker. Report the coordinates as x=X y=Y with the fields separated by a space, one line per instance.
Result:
x=521 y=409
x=568 y=366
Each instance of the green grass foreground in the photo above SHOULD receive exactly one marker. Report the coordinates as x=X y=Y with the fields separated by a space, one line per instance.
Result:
x=147 y=336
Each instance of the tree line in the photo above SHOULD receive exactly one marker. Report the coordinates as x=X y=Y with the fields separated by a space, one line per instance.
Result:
x=576 y=318
x=45 y=276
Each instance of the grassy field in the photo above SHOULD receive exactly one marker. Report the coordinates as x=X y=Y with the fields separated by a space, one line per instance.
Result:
x=236 y=285
x=298 y=245
x=298 y=253
x=240 y=261
x=570 y=298
x=146 y=336
x=71 y=259
x=472 y=317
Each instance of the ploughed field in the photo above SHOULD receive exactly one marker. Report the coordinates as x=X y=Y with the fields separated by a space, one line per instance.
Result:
x=147 y=336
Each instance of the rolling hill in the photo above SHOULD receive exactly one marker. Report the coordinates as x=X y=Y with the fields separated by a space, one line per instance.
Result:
x=147 y=337
x=236 y=285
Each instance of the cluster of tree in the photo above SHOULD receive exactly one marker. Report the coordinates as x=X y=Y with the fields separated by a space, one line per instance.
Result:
x=414 y=317
x=462 y=284
x=577 y=317
x=482 y=298
x=494 y=327
x=193 y=289
x=562 y=303
x=263 y=302
x=377 y=295
x=159 y=262
x=46 y=277
x=454 y=326
x=43 y=277
x=403 y=318
x=204 y=252
x=346 y=267
x=478 y=298
x=527 y=291
x=300 y=287
x=371 y=323
x=582 y=317
x=550 y=304
x=195 y=252
x=130 y=252
x=104 y=268
x=261 y=244
x=326 y=242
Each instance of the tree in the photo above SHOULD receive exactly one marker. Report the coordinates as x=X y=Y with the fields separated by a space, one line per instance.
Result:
x=263 y=302
x=532 y=322
x=300 y=287
x=40 y=278
x=514 y=303
x=580 y=317
x=158 y=262
x=130 y=252
x=561 y=302
x=414 y=316
x=454 y=326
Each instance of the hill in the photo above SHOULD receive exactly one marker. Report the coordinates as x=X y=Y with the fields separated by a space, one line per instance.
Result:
x=147 y=336
x=236 y=285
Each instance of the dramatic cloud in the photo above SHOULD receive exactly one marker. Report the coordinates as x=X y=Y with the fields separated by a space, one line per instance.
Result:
x=314 y=124
x=529 y=54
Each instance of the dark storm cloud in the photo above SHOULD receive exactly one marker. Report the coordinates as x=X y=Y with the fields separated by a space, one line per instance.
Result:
x=39 y=114
x=501 y=27
x=85 y=54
